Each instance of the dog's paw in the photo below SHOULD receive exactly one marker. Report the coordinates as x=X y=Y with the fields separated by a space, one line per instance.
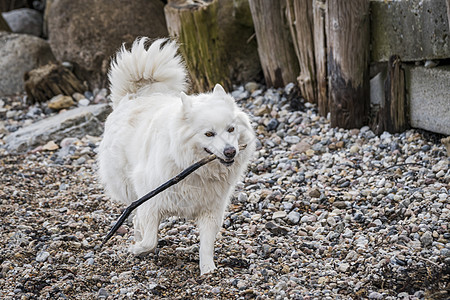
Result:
x=139 y=250
x=207 y=268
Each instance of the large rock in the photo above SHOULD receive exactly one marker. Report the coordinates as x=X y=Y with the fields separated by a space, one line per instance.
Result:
x=414 y=30
x=89 y=32
x=20 y=53
x=77 y=122
x=24 y=20
x=429 y=98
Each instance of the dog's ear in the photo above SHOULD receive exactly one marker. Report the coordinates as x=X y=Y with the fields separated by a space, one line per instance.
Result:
x=187 y=102
x=220 y=93
x=218 y=90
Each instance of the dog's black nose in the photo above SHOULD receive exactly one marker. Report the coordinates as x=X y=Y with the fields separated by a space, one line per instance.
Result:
x=229 y=152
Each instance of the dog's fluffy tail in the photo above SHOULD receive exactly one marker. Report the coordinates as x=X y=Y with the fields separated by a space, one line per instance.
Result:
x=141 y=71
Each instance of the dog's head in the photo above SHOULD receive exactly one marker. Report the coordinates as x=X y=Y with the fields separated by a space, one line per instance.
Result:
x=217 y=126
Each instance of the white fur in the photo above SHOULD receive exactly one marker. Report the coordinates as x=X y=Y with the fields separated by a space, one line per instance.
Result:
x=156 y=131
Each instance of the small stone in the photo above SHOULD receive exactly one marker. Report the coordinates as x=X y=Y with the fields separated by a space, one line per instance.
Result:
x=77 y=96
x=275 y=229
x=60 y=102
x=256 y=217
x=426 y=238
x=315 y=193
x=440 y=174
x=301 y=147
x=354 y=149
x=50 y=146
x=331 y=221
x=293 y=217
x=292 y=139
x=42 y=256
x=310 y=152
x=279 y=214
x=343 y=267
x=272 y=125
x=84 y=102
x=340 y=144
x=102 y=293
x=375 y=295
x=251 y=86
x=431 y=63
x=262 y=111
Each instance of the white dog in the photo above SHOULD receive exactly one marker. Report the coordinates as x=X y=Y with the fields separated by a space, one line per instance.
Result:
x=156 y=131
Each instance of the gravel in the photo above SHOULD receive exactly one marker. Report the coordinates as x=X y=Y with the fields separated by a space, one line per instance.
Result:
x=323 y=213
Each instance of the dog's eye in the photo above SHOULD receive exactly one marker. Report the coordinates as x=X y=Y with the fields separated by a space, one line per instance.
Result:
x=210 y=134
x=231 y=129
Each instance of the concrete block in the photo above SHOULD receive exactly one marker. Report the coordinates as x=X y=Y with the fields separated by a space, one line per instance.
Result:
x=429 y=98
x=413 y=29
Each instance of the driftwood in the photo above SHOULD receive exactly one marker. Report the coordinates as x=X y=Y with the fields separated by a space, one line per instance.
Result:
x=301 y=23
x=45 y=82
x=348 y=62
x=320 y=52
x=275 y=47
x=159 y=189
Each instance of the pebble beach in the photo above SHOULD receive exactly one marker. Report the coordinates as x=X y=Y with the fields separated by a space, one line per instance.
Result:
x=323 y=213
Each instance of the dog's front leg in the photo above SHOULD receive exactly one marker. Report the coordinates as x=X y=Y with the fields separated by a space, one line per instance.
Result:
x=208 y=225
x=146 y=233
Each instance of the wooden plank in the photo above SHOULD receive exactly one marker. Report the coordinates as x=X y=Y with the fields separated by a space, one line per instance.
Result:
x=275 y=47
x=320 y=52
x=348 y=62
x=301 y=23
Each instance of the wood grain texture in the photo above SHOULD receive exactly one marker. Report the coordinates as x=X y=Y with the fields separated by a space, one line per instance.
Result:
x=320 y=52
x=392 y=115
x=215 y=41
x=275 y=47
x=194 y=26
x=348 y=62
x=43 y=83
x=301 y=24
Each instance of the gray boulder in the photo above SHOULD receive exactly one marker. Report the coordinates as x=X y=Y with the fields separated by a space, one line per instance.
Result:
x=88 y=32
x=77 y=123
x=20 y=53
x=24 y=20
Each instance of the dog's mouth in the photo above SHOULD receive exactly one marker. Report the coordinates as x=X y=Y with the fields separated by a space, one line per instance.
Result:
x=225 y=162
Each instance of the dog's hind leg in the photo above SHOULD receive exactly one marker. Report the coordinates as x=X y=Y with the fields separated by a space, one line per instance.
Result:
x=145 y=233
x=208 y=225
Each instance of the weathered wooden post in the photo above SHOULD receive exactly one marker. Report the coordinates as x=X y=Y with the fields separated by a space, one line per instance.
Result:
x=392 y=115
x=301 y=24
x=275 y=48
x=215 y=40
x=320 y=52
x=348 y=62
x=194 y=25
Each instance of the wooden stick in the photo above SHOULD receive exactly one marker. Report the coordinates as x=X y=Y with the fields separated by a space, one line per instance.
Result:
x=158 y=190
